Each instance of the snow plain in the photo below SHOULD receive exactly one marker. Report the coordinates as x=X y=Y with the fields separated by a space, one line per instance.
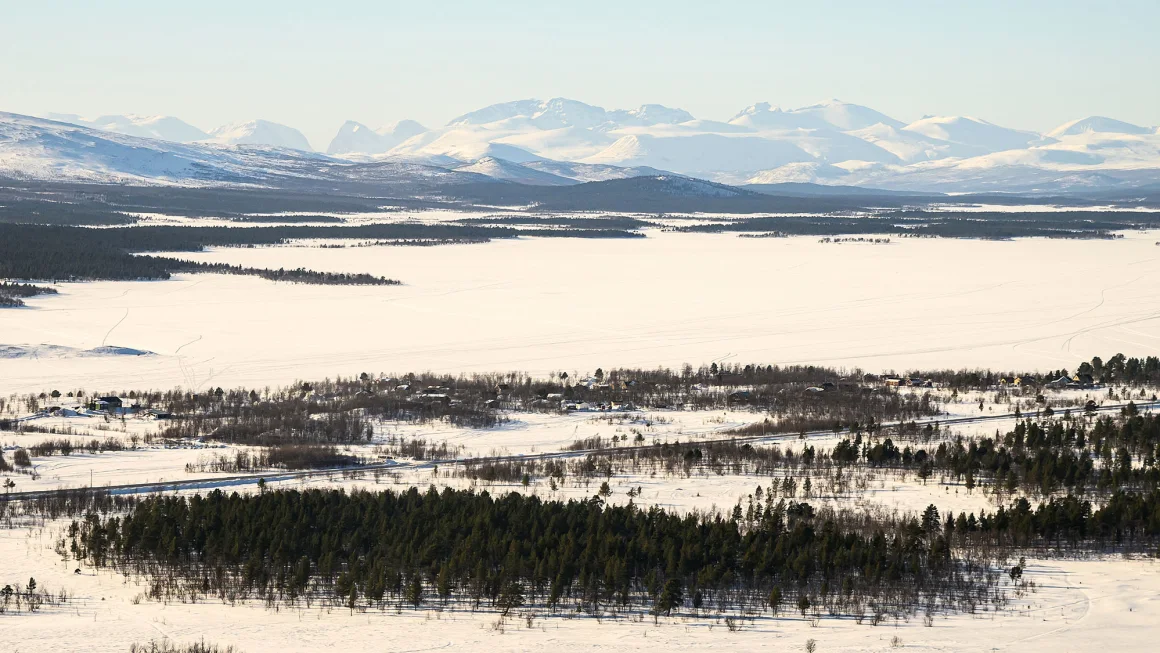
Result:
x=543 y=305
x=1076 y=604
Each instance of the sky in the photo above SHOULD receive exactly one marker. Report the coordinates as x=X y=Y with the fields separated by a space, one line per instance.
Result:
x=314 y=65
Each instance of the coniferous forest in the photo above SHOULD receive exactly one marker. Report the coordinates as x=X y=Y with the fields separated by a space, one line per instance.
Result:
x=371 y=550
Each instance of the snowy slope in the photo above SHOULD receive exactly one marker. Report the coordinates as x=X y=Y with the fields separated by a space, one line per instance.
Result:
x=591 y=171
x=972 y=132
x=166 y=128
x=832 y=114
x=1098 y=124
x=563 y=112
x=509 y=171
x=812 y=172
x=700 y=154
x=831 y=142
x=356 y=138
x=34 y=148
x=764 y=116
x=260 y=132
x=911 y=146
x=38 y=149
x=845 y=116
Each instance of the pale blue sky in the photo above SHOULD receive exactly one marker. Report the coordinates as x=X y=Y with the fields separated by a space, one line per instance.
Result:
x=314 y=64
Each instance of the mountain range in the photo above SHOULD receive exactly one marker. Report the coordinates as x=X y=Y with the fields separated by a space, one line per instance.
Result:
x=562 y=141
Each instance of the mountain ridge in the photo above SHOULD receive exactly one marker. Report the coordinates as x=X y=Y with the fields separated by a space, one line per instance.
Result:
x=830 y=142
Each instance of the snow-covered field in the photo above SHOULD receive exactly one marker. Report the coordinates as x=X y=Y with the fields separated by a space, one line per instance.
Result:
x=542 y=305
x=1076 y=604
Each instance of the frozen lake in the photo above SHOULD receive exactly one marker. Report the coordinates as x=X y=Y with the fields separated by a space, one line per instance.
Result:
x=542 y=305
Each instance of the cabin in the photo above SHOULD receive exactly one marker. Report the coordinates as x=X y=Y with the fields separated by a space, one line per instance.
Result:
x=1084 y=380
x=740 y=397
x=108 y=404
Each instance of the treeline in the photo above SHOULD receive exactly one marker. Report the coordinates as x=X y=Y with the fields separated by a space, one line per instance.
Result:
x=296 y=275
x=370 y=550
x=58 y=252
x=341 y=411
x=984 y=225
x=101 y=204
x=166 y=646
x=82 y=211
x=568 y=221
x=58 y=504
x=1037 y=457
x=284 y=456
x=1117 y=369
x=1128 y=521
x=66 y=446
x=13 y=294
x=338 y=413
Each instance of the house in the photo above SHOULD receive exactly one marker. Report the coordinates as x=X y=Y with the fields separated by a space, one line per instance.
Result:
x=1061 y=382
x=1084 y=380
x=1024 y=380
x=893 y=382
x=740 y=397
x=108 y=404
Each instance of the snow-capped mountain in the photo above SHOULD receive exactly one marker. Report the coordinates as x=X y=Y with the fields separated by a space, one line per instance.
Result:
x=562 y=112
x=356 y=138
x=1096 y=124
x=166 y=128
x=974 y=133
x=260 y=132
x=39 y=149
x=509 y=171
x=583 y=172
x=831 y=114
x=35 y=148
x=699 y=154
x=562 y=141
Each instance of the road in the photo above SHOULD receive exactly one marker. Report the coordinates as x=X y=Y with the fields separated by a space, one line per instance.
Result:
x=212 y=482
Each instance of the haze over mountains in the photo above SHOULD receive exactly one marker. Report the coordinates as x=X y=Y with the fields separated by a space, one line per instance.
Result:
x=562 y=141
